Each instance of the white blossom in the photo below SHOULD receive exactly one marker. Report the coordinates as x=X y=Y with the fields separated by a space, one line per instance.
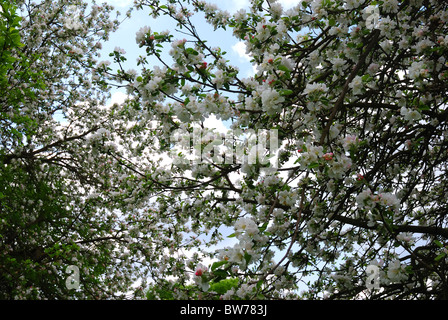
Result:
x=141 y=34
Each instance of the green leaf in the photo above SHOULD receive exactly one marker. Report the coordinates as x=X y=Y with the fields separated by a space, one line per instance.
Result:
x=191 y=51
x=263 y=227
x=440 y=256
x=286 y=92
x=247 y=257
x=438 y=243
x=283 y=68
x=217 y=264
x=233 y=235
x=313 y=165
x=366 y=78
x=423 y=107
x=224 y=285
x=221 y=273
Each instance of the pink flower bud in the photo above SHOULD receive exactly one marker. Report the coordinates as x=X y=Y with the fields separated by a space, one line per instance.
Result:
x=328 y=156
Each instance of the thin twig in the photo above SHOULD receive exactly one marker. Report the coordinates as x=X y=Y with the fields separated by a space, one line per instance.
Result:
x=339 y=103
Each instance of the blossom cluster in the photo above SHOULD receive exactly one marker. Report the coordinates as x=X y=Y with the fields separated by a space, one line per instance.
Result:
x=368 y=200
x=356 y=92
x=244 y=252
x=352 y=126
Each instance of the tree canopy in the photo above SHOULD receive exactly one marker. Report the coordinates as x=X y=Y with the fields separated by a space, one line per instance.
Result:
x=351 y=94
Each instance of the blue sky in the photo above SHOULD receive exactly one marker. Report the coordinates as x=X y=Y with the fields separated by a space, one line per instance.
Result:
x=236 y=53
x=125 y=36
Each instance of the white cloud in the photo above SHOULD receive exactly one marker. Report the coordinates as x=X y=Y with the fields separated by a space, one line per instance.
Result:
x=236 y=5
x=118 y=97
x=240 y=4
x=212 y=123
x=289 y=3
x=120 y=3
x=240 y=49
